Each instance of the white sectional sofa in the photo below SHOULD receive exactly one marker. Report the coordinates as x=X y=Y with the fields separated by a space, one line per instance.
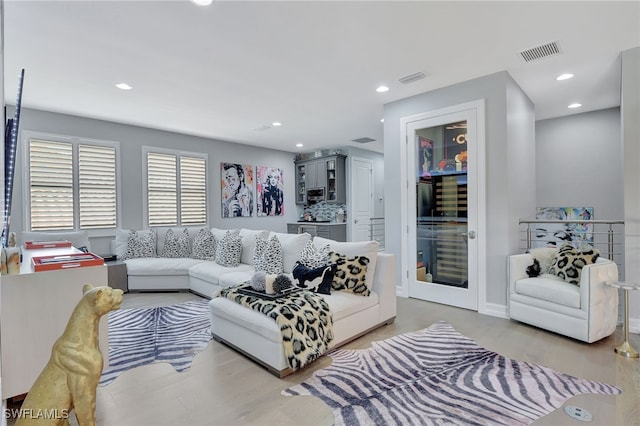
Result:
x=252 y=333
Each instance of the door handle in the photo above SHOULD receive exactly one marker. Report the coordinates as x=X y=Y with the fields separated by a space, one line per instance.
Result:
x=355 y=220
x=472 y=235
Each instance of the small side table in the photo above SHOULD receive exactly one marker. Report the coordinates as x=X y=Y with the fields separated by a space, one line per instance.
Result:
x=625 y=349
x=117 y=275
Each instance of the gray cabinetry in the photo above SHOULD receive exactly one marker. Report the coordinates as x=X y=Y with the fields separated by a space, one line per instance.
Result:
x=327 y=173
x=332 y=231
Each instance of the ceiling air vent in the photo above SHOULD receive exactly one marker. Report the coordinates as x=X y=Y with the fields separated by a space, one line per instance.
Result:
x=363 y=140
x=542 y=51
x=411 y=78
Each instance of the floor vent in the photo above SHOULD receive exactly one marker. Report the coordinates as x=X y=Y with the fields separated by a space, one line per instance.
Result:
x=411 y=78
x=363 y=140
x=540 y=52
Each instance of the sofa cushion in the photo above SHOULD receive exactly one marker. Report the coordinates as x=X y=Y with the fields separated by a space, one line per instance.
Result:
x=141 y=244
x=160 y=266
x=236 y=277
x=249 y=243
x=350 y=273
x=176 y=245
x=568 y=262
x=268 y=255
x=212 y=272
x=368 y=249
x=550 y=288
x=313 y=257
x=220 y=233
x=229 y=250
x=292 y=245
x=204 y=245
x=317 y=279
x=343 y=304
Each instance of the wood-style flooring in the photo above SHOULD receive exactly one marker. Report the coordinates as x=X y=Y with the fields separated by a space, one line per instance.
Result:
x=224 y=388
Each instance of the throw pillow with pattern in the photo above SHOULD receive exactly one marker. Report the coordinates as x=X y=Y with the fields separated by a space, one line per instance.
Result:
x=176 y=245
x=317 y=280
x=311 y=257
x=204 y=245
x=267 y=256
x=141 y=244
x=350 y=273
x=229 y=250
x=568 y=262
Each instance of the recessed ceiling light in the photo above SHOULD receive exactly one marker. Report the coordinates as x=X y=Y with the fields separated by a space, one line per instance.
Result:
x=123 y=86
x=276 y=124
x=299 y=145
x=202 y=2
x=566 y=76
x=382 y=120
x=575 y=105
x=382 y=89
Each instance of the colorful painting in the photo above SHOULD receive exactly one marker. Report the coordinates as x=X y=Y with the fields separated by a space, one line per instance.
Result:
x=270 y=184
x=556 y=234
x=237 y=189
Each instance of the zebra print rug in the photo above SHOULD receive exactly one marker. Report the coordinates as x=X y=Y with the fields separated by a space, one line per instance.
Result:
x=437 y=376
x=173 y=334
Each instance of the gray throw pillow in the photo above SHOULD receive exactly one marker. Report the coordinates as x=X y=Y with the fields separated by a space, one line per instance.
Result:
x=204 y=245
x=141 y=244
x=176 y=246
x=268 y=255
x=229 y=250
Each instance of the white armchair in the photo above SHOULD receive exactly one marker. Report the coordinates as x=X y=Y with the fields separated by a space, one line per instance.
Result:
x=588 y=312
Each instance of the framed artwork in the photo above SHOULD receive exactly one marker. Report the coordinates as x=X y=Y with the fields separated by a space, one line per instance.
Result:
x=269 y=185
x=237 y=189
x=556 y=234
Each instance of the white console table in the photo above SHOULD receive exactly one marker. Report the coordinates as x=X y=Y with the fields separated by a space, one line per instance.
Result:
x=34 y=310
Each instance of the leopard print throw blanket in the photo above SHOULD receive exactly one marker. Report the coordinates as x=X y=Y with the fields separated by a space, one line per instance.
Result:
x=304 y=319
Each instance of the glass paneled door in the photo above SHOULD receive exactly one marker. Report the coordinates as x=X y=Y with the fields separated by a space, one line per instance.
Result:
x=442 y=242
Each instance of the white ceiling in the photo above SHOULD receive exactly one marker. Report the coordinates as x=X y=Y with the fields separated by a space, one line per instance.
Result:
x=225 y=70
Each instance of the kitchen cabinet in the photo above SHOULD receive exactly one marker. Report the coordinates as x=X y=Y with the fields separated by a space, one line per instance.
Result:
x=327 y=173
x=332 y=231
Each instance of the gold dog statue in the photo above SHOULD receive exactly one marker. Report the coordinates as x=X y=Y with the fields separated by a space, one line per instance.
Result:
x=70 y=378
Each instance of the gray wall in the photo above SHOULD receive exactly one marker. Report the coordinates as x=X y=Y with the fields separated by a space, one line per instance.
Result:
x=579 y=163
x=503 y=130
x=131 y=139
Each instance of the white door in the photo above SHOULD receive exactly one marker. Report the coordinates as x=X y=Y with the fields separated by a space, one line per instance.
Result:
x=442 y=207
x=361 y=190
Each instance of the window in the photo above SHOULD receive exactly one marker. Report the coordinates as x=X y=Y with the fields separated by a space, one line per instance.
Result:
x=72 y=183
x=176 y=188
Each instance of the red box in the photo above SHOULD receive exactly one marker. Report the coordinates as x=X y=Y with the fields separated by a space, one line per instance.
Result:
x=65 y=261
x=34 y=245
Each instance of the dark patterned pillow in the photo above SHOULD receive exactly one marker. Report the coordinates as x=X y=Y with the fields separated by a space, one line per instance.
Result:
x=311 y=257
x=350 y=273
x=204 y=245
x=267 y=256
x=317 y=280
x=229 y=250
x=176 y=246
x=141 y=244
x=568 y=262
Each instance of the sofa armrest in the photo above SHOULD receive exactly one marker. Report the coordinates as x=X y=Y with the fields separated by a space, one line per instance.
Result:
x=384 y=284
x=598 y=300
x=517 y=269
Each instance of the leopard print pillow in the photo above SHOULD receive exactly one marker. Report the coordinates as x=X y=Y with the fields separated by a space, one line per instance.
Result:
x=313 y=258
x=568 y=262
x=204 y=245
x=350 y=273
x=267 y=256
x=229 y=250
x=176 y=246
x=141 y=244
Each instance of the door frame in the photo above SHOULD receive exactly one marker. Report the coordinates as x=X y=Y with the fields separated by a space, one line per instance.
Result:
x=477 y=107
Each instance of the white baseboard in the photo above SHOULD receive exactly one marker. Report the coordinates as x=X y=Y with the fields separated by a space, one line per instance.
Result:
x=494 y=309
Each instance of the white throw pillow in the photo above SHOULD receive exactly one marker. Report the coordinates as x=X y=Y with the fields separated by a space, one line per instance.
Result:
x=313 y=258
x=545 y=256
x=122 y=240
x=368 y=249
x=268 y=255
x=204 y=245
x=249 y=243
x=141 y=244
x=292 y=246
x=176 y=245
x=220 y=233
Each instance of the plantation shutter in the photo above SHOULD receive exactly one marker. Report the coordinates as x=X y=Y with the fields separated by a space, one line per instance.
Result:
x=51 y=185
x=97 y=186
x=193 y=191
x=162 y=190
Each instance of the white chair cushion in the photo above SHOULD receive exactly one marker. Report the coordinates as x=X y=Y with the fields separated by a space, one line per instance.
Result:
x=249 y=243
x=160 y=265
x=551 y=289
x=343 y=304
x=212 y=272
